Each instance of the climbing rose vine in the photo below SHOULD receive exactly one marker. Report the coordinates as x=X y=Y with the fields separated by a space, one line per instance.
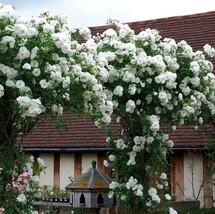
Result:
x=152 y=83
x=139 y=81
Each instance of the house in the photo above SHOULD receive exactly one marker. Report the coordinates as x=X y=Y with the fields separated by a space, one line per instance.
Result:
x=68 y=153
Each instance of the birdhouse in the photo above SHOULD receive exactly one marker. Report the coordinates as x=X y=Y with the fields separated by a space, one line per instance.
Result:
x=91 y=189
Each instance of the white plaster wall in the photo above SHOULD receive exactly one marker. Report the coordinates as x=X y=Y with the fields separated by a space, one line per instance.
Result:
x=67 y=164
x=47 y=178
x=193 y=164
x=87 y=159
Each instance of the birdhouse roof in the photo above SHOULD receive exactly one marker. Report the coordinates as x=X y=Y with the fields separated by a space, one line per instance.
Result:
x=92 y=179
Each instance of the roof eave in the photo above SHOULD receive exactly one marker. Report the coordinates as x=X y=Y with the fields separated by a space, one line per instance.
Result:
x=63 y=149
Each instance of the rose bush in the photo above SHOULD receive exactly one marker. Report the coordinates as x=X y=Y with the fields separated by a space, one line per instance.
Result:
x=42 y=69
x=152 y=82
x=142 y=81
x=18 y=194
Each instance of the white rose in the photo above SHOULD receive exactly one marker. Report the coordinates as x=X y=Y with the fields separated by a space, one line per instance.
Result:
x=20 y=84
x=172 y=211
x=36 y=72
x=112 y=157
x=35 y=179
x=1 y=90
x=21 y=198
x=168 y=197
x=152 y=191
x=41 y=162
x=105 y=163
x=155 y=126
x=130 y=106
x=26 y=66
x=118 y=91
x=163 y=176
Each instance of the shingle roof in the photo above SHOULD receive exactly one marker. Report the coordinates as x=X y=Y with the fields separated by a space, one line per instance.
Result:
x=197 y=30
x=92 y=179
x=82 y=134
x=188 y=137
x=79 y=131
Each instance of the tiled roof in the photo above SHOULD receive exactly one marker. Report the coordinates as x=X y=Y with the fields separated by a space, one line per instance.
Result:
x=197 y=30
x=188 y=137
x=79 y=131
x=82 y=134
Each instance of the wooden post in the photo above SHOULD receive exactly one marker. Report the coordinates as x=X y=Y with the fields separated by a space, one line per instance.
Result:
x=177 y=176
x=208 y=183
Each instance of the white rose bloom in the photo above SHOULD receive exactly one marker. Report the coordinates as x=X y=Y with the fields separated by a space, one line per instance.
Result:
x=77 y=69
x=163 y=176
x=34 y=52
x=26 y=66
x=112 y=157
x=120 y=144
x=57 y=109
x=172 y=211
x=21 y=198
x=156 y=198
x=118 y=91
x=113 y=185
x=168 y=197
x=209 y=50
x=105 y=163
x=149 y=98
x=21 y=30
x=153 y=118
x=136 y=148
x=23 y=101
x=97 y=87
x=132 y=89
x=44 y=84
x=10 y=83
x=36 y=72
x=155 y=126
x=170 y=143
x=139 y=193
x=200 y=120
x=1 y=90
x=41 y=162
x=85 y=32
x=163 y=97
x=23 y=53
x=130 y=106
x=149 y=139
x=31 y=158
x=152 y=191
x=159 y=186
x=20 y=84
x=195 y=81
x=35 y=179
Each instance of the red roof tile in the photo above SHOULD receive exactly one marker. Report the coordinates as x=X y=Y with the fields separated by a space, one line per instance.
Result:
x=80 y=132
x=188 y=137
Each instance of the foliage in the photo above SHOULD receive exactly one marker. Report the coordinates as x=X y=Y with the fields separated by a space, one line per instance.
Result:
x=142 y=80
x=20 y=191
